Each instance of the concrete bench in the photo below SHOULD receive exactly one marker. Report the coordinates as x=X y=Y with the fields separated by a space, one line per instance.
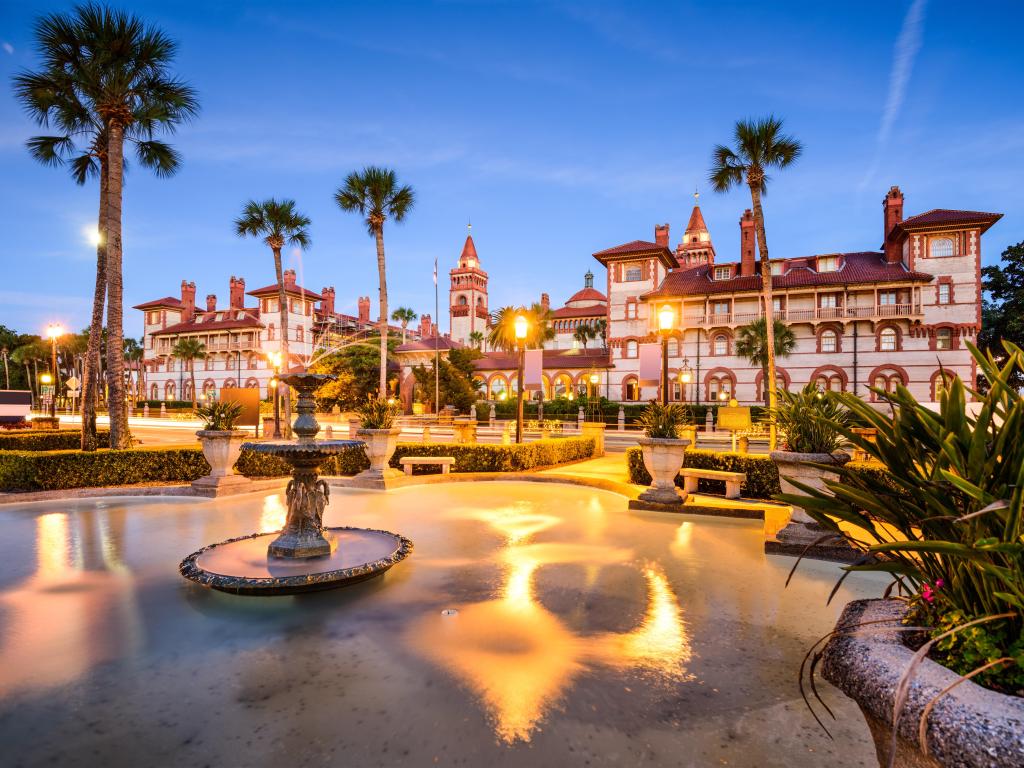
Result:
x=732 y=480
x=445 y=462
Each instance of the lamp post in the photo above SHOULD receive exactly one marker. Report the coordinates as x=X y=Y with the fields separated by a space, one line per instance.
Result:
x=685 y=377
x=521 y=328
x=53 y=331
x=666 y=319
x=275 y=361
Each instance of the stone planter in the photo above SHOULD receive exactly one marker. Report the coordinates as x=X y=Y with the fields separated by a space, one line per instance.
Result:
x=221 y=448
x=380 y=447
x=595 y=429
x=663 y=458
x=969 y=727
x=802 y=531
x=464 y=430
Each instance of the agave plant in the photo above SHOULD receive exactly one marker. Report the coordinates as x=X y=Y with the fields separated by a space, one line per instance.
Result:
x=663 y=421
x=809 y=420
x=941 y=513
x=219 y=416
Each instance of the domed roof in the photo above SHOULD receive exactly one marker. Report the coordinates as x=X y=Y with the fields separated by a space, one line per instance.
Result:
x=587 y=294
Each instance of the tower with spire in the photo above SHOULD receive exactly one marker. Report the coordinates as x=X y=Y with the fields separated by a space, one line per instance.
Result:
x=467 y=294
x=696 y=247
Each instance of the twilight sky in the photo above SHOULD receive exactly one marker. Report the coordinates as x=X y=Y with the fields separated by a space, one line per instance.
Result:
x=559 y=129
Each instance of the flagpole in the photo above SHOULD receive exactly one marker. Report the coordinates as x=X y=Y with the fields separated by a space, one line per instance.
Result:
x=437 y=353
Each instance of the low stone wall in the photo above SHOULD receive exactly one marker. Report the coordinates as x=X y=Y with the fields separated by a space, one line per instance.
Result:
x=970 y=727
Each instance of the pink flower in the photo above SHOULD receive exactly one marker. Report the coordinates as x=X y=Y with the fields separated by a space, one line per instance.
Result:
x=928 y=593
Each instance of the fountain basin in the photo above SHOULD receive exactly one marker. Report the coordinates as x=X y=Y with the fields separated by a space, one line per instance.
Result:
x=241 y=566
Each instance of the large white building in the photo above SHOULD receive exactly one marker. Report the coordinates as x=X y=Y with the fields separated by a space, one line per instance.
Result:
x=897 y=314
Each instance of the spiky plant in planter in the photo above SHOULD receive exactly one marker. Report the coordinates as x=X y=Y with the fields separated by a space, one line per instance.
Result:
x=663 y=452
x=218 y=416
x=377 y=417
x=663 y=422
x=378 y=413
x=222 y=445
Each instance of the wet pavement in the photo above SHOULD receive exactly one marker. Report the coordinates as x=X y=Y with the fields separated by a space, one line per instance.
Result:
x=533 y=625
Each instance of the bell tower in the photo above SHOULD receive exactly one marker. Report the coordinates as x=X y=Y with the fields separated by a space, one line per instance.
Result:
x=467 y=295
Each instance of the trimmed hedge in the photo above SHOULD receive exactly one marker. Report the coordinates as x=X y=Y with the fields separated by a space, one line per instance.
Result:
x=762 y=474
x=48 y=440
x=55 y=470
x=477 y=457
x=568 y=410
x=349 y=462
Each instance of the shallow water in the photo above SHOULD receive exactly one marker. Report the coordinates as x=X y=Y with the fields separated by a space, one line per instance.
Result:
x=533 y=625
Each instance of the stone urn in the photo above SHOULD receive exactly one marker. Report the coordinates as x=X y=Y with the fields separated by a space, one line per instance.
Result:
x=663 y=458
x=801 y=529
x=380 y=447
x=221 y=448
x=969 y=725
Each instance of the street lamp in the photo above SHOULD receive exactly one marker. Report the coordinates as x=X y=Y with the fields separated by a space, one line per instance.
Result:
x=666 y=319
x=521 y=327
x=685 y=377
x=53 y=331
x=275 y=362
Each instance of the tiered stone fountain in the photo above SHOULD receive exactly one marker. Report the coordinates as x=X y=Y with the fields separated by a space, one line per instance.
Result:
x=304 y=556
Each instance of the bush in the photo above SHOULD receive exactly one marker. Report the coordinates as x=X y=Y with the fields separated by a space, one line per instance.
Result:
x=564 y=408
x=476 y=457
x=762 y=475
x=171 y=404
x=348 y=462
x=48 y=440
x=54 y=470
x=809 y=421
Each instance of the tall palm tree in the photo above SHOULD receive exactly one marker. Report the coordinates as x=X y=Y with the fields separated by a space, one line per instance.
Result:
x=374 y=194
x=501 y=333
x=476 y=339
x=133 y=358
x=584 y=333
x=758 y=145
x=752 y=343
x=105 y=80
x=188 y=350
x=5 y=353
x=601 y=329
x=277 y=223
x=403 y=315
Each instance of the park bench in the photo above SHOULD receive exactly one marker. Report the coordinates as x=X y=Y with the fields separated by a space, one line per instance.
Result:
x=732 y=480
x=445 y=462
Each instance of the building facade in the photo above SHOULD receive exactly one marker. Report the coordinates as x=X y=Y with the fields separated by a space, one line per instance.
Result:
x=900 y=314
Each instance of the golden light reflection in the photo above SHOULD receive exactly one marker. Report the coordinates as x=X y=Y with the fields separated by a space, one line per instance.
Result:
x=52 y=550
x=518 y=657
x=274 y=514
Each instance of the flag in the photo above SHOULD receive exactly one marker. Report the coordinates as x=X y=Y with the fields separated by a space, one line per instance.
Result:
x=650 y=365
x=533 y=367
x=435 y=270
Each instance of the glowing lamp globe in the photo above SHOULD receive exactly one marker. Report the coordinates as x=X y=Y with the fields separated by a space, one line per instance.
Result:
x=666 y=318
x=521 y=326
x=46 y=378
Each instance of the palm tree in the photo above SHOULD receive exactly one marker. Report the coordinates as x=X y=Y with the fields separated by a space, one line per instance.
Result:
x=476 y=339
x=403 y=315
x=105 y=81
x=601 y=329
x=584 y=333
x=5 y=353
x=752 y=343
x=188 y=350
x=758 y=146
x=502 y=333
x=374 y=194
x=277 y=223
x=133 y=357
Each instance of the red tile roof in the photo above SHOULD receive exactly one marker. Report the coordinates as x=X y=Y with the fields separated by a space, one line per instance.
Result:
x=587 y=294
x=293 y=289
x=166 y=301
x=696 y=222
x=638 y=248
x=593 y=311
x=443 y=343
x=204 y=322
x=946 y=216
x=862 y=267
x=553 y=358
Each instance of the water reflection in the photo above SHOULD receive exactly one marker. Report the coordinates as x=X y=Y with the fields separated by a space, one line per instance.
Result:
x=274 y=514
x=518 y=656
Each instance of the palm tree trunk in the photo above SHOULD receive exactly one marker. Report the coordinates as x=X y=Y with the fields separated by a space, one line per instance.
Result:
x=91 y=363
x=383 y=285
x=120 y=437
x=769 y=321
x=192 y=380
x=282 y=302
x=405 y=324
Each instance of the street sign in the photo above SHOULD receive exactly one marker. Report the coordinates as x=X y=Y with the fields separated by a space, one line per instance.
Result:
x=71 y=383
x=46 y=390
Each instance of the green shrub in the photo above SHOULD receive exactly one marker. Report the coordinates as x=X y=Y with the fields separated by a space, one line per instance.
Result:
x=348 y=462
x=219 y=416
x=809 y=421
x=662 y=422
x=48 y=439
x=55 y=470
x=171 y=404
x=378 y=412
x=477 y=457
x=762 y=475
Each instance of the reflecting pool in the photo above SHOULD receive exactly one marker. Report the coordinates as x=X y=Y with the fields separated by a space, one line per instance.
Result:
x=533 y=625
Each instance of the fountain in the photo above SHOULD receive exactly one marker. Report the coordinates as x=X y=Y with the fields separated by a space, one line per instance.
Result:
x=304 y=556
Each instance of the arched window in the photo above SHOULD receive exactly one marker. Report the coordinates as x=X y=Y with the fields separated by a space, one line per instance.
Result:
x=498 y=388
x=252 y=383
x=186 y=390
x=463 y=301
x=630 y=389
x=886 y=380
x=829 y=341
x=209 y=388
x=887 y=340
x=562 y=385
x=719 y=388
x=632 y=349
x=721 y=344
x=270 y=332
x=941 y=246
x=254 y=362
x=154 y=391
x=944 y=338
x=229 y=384
x=169 y=390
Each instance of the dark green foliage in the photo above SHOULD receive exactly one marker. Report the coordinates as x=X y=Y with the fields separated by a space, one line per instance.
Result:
x=502 y=458
x=378 y=412
x=762 y=475
x=48 y=440
x=171 y=404
x=456 y=386
x=219 y=416
x=809 y=420
x=349 y=462
x=356 y=367
x=663 y=421
x=54 y=470
x=566 y=409
x=1002 y=313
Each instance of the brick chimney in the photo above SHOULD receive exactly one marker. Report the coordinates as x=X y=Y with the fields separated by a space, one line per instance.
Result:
x=188 y=300
x=748 y=244
x=211 y=302
x=425 y=326
x=237 y=293
x=289 y=278
x=364 y=309
x=892 y=204
x=327 y=303
x=545 y=301
x=661 y=235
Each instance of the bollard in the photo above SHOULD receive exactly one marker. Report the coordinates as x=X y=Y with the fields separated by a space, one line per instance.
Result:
x=506 y=435
x=709 y=420
x=622 y=419
x=426 y=433
x=145 y=411
x=744 y=444
x=491 y=417
x=163 y=410
x=580 y=418
x=328 y=432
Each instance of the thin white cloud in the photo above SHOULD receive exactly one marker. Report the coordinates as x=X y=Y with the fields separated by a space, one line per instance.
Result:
x=9 y=48
x=908 y=44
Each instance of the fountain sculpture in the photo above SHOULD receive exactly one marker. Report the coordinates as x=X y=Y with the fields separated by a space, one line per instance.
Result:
x=304 y=555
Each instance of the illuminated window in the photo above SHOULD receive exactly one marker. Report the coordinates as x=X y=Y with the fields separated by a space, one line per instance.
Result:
x=944 y=338
x=829 y=341
x=887 y=340
x=827 y=301
x=721 y=344
x=633 y=273
x=941 y=246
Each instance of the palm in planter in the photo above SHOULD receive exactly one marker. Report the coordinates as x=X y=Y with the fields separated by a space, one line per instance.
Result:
x=663 y=452
x=379 y=430
x=222 y=445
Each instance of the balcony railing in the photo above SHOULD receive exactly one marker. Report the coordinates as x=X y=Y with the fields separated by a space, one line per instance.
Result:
x=216 y=346
x=814 y=313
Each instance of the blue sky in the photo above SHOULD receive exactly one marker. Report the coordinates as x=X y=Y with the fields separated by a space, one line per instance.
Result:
x=558 y=128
